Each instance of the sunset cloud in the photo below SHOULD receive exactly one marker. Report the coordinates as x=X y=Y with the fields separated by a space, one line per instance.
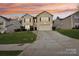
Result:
x=35 y=8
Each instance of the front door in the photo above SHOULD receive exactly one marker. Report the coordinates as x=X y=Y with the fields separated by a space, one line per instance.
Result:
x=27 y=27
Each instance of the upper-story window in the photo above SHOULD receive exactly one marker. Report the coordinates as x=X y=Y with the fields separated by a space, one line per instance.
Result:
x=45 y=19
x=28 y=20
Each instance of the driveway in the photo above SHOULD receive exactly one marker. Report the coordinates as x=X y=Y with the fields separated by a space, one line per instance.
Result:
x=50 y=43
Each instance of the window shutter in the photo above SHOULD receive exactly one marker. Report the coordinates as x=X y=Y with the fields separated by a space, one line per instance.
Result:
x=40 y=19
x=49 y=19
x=30 y=19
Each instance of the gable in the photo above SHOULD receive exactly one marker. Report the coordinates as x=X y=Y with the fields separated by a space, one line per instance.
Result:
x=2 y=18
x=27 y=16
x=44 y=14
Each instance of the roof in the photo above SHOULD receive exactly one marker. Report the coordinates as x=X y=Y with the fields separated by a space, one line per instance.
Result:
x=59 y=18
x=68 y=16
x=44 y=12
x=26 y=15
x=5 y=18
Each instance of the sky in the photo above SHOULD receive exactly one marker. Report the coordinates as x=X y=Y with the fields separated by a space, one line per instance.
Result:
x=18 y=9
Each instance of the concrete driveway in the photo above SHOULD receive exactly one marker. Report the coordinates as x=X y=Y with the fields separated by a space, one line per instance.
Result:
x=50 y=43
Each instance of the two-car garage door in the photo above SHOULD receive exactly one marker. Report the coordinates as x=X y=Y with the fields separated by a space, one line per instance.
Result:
x=44 y=27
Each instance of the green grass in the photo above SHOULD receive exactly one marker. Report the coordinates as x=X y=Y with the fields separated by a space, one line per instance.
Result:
x=73 y=33
x=9 y=53
x=17 y=37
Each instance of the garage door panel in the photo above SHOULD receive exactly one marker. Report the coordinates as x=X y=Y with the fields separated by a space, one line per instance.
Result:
x=44 y=28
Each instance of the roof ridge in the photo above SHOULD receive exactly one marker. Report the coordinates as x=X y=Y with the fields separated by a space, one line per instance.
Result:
x=5 y=18
x=43 y=12
x=26 y=14
x=69 y=15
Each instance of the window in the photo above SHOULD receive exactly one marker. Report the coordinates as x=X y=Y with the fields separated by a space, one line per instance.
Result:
x=76 y=26
x=27 y=20
x=44 y=19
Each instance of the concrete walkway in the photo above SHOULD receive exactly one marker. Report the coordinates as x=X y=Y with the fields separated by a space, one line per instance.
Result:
x=51 y=43
x=12 y=47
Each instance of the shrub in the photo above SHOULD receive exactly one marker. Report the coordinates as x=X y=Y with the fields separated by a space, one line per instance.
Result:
x=54 y=28
x=17 y=30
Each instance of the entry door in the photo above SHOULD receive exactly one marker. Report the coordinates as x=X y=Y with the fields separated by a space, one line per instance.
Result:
x=27 y=27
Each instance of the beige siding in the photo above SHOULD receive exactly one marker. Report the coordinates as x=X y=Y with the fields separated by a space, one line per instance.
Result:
x=44 y=24
x=27 y=21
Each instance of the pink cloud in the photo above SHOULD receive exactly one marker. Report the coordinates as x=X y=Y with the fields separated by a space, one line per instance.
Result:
x=33 y=8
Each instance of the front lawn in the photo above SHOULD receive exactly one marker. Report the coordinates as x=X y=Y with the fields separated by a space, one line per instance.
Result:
x=74 y=33
x=9 y=53
x=17 y=37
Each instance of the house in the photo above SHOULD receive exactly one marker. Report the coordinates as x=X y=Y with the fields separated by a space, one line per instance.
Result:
x=3 y=23
x=69 y=22
x=27 y=21
x=44 y=21
x=8 y=25
x=13 y=25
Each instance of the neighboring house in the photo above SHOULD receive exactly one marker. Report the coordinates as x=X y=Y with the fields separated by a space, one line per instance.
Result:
x=3 y=23
x=13 y=25
x=69 y=22
x=27 y=21
x=8 y=25
x=44 y=21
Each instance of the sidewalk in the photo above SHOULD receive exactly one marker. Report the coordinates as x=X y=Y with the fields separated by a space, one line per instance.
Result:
x=12 y=47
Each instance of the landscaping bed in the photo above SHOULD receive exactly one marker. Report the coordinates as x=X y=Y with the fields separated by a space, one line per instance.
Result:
x=17 y=37
x=73 y=33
